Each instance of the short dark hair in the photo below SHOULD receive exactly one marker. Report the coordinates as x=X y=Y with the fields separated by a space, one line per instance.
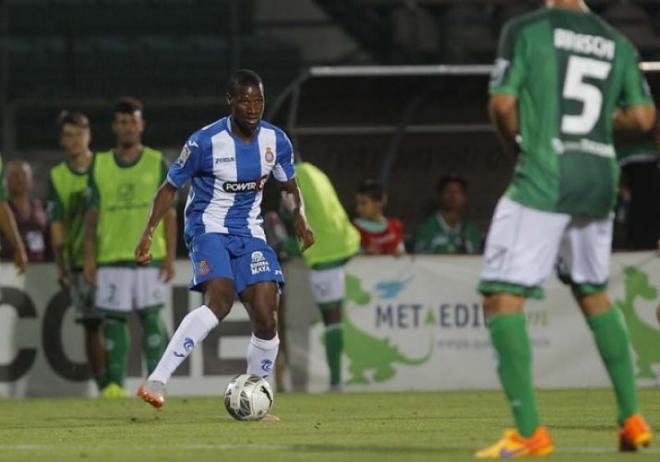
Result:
x=72 y=118
x=241 y=78
x=448 y=179
x=372 y=189
x=127 y=105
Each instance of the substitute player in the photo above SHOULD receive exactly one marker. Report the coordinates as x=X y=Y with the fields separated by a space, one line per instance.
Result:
x=122 y=183
x=560 y=74
x=66 y=210
x=337 y=242
x=228 y=163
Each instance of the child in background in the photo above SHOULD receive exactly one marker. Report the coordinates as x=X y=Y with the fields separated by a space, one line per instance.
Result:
x=379 y=235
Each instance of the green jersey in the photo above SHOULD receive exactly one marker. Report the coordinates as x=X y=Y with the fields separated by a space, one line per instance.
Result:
x=66 y=205
x=434 y=235
x=336 y=238
x=122 y=193
x=568 y=70
x=636 y=151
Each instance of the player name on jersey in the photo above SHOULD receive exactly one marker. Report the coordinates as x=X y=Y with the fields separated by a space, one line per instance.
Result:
x=584 y=43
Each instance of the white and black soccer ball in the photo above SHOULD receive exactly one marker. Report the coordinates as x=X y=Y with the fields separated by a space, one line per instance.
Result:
x=248 y=397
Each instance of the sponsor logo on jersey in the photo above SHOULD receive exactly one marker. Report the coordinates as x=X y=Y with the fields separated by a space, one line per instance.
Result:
x=224 y=160
x=266 y=365
x=183 y=157
x=203 y=268
x=245 y=186
x=259 y=263
x=270 y=157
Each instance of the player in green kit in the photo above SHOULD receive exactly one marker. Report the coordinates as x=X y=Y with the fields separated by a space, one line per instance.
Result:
x=66 y=210
x=562 y=79
x=337 y=240
x=9 y=228
x=122 y=183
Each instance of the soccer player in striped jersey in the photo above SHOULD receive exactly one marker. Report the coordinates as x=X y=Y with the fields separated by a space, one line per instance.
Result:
x=563 y=78
x=228 y=162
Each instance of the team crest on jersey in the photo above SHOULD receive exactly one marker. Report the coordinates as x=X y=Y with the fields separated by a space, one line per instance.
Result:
x=183 y=157
x=270 y=157
x=203 y=268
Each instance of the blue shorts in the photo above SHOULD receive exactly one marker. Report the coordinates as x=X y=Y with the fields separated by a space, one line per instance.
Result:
x=245 y=260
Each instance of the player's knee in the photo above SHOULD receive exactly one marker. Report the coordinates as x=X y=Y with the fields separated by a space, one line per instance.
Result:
x=594 y=304
x=220 y=305
x=497 y=304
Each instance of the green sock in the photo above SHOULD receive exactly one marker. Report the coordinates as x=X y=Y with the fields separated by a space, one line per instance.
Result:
x=613 y=344
x=508 y=332
x=334 y=348
x=116 y=348
x=153 y=338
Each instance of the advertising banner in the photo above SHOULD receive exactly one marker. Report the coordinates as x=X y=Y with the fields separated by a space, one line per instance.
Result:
x=411 y=323
x=42 y=348
x=416 y=323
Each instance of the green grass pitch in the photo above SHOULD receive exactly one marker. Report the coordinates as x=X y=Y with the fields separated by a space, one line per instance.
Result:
x=379 y=427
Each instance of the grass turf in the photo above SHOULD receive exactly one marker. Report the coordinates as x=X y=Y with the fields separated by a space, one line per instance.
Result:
x=336 y=427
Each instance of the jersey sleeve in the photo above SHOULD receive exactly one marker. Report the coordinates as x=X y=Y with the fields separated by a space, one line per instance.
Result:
x=54 y=207
x=635 y=89
x=188 y=163
x=509 y=71
x=284 y=169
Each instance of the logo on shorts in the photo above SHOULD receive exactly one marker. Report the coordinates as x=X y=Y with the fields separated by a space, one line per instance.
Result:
x=259 y=263
x=266 y=365
x=270 y=157
x=203 y=268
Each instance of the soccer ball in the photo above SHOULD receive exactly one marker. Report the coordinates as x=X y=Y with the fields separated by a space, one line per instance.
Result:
x=248 y=397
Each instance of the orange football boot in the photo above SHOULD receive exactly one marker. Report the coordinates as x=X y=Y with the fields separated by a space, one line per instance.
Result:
x=513 y=445
x=634 y=434
x=152 y=392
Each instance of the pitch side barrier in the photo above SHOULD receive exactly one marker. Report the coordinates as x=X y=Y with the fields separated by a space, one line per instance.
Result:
x=419 y=318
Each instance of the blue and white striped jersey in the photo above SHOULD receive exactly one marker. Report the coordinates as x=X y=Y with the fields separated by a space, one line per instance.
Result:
x=227 y=177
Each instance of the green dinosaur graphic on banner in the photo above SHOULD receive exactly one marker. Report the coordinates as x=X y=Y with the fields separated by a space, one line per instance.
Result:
x=367 y=353
x=644 y=338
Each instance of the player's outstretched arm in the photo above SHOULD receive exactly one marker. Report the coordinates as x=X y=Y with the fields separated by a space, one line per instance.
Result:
x=10 y=230
x=161 y=204
x=294 y=203
x=503 y=111
x=167 y=267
